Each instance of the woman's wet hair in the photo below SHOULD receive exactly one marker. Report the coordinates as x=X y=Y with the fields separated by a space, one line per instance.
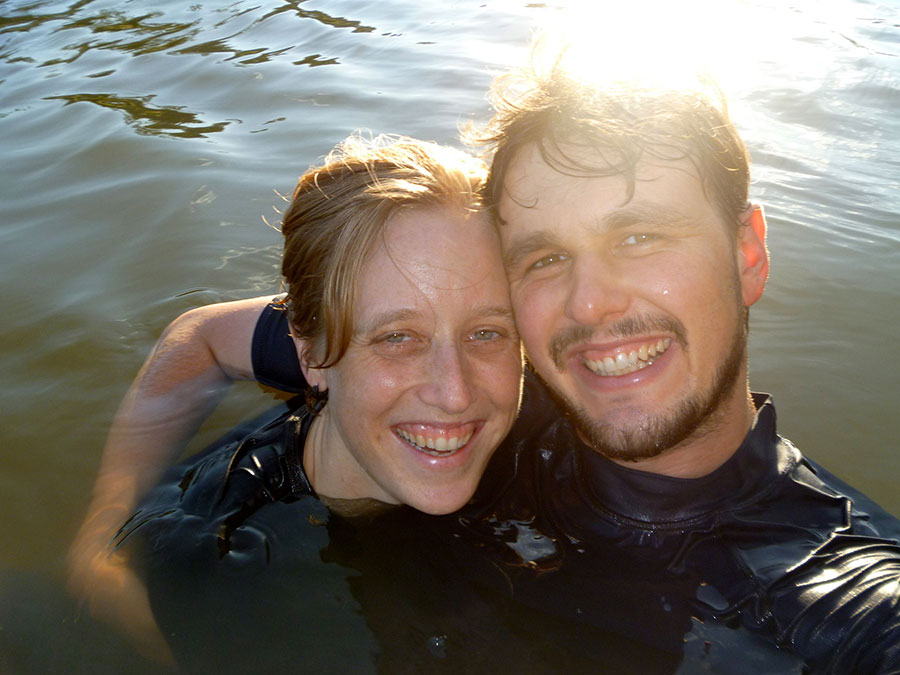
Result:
x=338 y=213
x=583 y=128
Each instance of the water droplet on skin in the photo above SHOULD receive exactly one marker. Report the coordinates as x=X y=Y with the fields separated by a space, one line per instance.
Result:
x=437 y=645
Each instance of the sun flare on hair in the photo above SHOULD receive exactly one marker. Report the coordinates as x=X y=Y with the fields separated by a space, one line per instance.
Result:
x=655 y=43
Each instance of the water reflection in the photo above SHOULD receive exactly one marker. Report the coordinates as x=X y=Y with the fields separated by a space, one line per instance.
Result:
x=148 y=119
x=145 y=34
x=159 y=36
x=26 y=22
x=322 y=17
x=88 y=290
x=244 y=56
x=315 y=60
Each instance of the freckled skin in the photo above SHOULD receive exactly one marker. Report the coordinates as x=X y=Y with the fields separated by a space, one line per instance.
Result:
x=593 y=274
x=434 y=347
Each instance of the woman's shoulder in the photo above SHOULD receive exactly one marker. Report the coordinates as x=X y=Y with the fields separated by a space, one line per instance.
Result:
x=256 y=463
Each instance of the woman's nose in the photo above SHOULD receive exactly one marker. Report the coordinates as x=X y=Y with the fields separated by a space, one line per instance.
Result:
x=448 y=386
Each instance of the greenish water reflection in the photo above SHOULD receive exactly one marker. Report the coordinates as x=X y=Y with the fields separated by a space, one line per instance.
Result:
x=113 y=224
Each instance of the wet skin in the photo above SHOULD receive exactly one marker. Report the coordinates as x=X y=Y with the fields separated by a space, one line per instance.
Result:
x=431 y=381
x=632 y=310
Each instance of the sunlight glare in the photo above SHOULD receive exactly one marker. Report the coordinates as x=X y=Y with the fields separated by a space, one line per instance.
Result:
x=663 y=44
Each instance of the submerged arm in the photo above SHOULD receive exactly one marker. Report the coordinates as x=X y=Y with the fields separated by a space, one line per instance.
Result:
x=194 y=362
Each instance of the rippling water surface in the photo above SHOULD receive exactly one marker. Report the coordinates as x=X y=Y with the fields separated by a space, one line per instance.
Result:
x=145 y=145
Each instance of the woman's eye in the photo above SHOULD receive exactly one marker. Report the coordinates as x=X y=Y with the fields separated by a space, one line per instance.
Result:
x=549 y=260
x=396 y=338
x=484 y=335
x=398 y=343
x=637 y=239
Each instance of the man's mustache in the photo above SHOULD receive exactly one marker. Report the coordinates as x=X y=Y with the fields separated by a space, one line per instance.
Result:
x=624 y=328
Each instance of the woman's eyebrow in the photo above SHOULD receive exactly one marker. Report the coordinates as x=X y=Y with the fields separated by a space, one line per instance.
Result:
x=374 y=323
x=378 y=322
x=493 y=311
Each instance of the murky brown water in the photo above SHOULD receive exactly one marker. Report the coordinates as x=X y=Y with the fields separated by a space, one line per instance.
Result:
x=143 y=143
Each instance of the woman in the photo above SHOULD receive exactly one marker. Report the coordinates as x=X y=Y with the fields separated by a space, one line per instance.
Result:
x=399 y=309
x=401 y=316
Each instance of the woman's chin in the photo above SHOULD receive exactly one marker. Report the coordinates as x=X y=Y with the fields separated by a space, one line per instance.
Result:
x=443 y=500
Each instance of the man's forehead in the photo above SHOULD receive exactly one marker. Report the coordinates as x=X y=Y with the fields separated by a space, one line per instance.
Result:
x=534 y=163
x=567 y=161
x=533 y=180
x=562 y=174
x=538 y=194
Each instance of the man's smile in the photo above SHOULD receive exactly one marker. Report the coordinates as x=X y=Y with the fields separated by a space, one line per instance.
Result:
x=627 y=361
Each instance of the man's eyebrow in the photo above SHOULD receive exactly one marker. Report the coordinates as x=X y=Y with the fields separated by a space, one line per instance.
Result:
x=631 y=215
x=619 y=219
x=523 y=247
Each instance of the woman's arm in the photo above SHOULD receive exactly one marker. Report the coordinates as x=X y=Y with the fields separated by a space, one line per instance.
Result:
x=194 y=362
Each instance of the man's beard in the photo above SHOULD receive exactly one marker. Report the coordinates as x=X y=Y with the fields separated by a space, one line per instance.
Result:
x=691 y=418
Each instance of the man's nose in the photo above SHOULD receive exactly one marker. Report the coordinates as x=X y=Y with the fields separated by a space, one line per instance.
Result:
x=597 y=292
x=448 y=385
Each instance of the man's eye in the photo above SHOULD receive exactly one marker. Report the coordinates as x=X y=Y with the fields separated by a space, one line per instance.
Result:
x=549 y=260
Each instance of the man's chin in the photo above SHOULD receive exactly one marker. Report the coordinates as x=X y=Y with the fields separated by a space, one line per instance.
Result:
x=640 y=441
x=633 y=436
x=648 y=435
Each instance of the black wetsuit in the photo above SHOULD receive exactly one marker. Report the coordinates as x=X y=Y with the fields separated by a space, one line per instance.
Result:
x=769 y=551
x=248 y=571
x=206 y=539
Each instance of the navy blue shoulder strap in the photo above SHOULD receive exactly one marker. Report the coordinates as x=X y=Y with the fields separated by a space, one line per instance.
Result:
x=274 y=357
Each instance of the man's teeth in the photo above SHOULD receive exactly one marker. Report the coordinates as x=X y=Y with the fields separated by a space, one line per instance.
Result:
x=624 y=363
x=441 y=444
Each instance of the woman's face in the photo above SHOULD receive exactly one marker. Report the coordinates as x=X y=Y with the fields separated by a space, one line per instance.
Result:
x=431 y=381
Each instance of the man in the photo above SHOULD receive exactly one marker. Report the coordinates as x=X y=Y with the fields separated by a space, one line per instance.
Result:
x=633 y=255
x=660 y=504
x=632 y=273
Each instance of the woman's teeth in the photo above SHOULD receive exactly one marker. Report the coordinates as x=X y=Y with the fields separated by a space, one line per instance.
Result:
x=624 y=363
x=435 y=446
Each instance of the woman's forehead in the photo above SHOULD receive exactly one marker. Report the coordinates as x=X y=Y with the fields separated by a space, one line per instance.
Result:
x=432 y=260
x=441 y=247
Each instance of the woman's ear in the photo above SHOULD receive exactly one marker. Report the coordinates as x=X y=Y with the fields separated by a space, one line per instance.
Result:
x=315 y=377
x=753 y=255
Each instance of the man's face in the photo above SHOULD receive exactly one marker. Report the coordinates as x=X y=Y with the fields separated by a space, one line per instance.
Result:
x=632 y=310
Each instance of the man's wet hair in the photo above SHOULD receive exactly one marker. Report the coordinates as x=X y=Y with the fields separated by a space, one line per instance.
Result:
x=583 y=128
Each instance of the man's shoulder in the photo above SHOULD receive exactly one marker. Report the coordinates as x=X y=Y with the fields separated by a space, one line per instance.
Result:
x=801 y=479
x=836 y=597
x=866 y=516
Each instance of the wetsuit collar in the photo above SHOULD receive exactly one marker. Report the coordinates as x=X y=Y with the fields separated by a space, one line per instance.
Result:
x=655 y=500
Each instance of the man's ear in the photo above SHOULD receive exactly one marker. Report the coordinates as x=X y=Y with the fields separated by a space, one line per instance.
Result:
x=753 y=255
x=315 y=377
